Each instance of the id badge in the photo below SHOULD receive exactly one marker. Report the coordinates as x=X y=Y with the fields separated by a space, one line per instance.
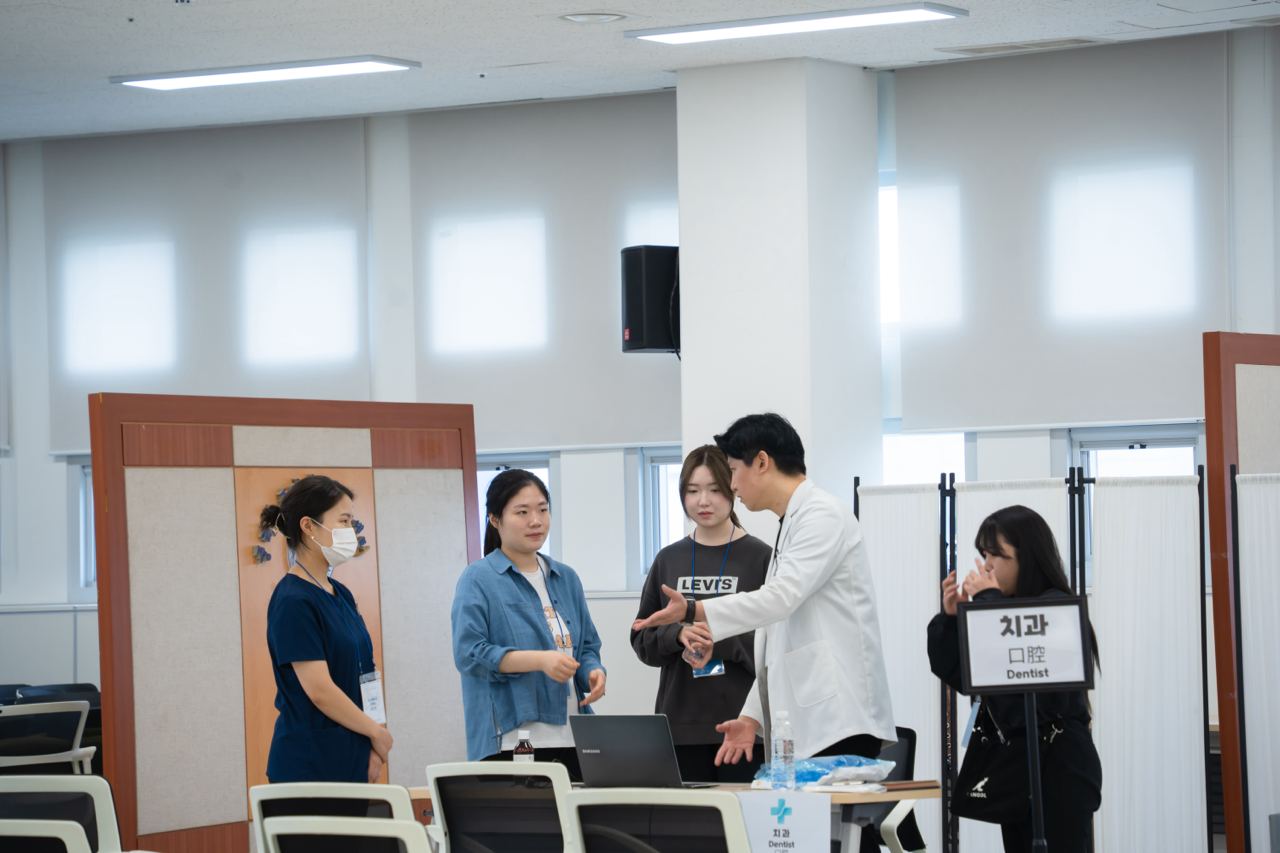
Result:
x=968 y=729
x=715 y=666
x=371 y=697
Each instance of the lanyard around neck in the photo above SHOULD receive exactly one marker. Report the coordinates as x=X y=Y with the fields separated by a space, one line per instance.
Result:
x=693 y=559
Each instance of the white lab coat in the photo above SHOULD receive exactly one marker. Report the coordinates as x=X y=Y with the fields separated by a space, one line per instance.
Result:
x=816 y=628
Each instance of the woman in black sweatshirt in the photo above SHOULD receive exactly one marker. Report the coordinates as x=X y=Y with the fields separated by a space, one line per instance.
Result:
x=1020 y=560
x=717 y=558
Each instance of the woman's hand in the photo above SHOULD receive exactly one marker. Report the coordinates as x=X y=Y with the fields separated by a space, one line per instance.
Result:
x=696 y=638
x=375 y=767
x=982 y=578
x=596 y=679
x=739 y=740
x=381 y=742
x=951 y=595
x=669 y=615
x=558 y=666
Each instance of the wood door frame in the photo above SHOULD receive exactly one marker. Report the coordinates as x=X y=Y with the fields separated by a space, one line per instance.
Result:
x=1223 y=352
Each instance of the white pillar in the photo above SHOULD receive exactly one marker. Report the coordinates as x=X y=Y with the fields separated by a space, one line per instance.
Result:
x=33 y=486
x=779 y=280
x=1254 y=69
x=393 y=356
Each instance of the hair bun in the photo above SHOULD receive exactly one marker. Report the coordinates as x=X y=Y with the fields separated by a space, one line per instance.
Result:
x=270 y=517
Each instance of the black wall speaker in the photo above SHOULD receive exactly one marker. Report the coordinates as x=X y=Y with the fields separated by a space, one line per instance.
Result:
x=651 y=299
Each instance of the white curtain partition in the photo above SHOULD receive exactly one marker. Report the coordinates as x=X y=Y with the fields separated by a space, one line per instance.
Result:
x=1148 y=711
x=974 y=502
x=1259 y=514
x=900 y=524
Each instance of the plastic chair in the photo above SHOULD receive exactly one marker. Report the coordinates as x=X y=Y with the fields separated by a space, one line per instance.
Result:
x=606 y=813
x=70 y=833
x=83 y=800
x=407 y=835
x=326 y=799
x=44 y=733
x=894 y=822
x=502 y=807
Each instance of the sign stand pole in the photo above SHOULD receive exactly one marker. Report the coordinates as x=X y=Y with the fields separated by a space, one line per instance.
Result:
x=1038 y=842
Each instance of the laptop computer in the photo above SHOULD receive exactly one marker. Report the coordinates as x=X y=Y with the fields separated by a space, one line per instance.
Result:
x=627 y=751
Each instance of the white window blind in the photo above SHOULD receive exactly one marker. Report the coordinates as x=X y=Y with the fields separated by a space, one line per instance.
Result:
x=226 y=261
x=1062 y=234
x=520 y=213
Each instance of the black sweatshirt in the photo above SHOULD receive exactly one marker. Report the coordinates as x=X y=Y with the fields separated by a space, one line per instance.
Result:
x=695 y=706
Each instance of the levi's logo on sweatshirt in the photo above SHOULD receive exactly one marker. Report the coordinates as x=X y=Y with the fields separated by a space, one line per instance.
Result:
x=707 y=586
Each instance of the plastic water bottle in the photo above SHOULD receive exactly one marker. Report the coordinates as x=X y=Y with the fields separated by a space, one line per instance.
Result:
x=782 y=762
x=524 y=749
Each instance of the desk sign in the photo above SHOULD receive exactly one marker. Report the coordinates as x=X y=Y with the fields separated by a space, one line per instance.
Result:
x=1027 y=645
x=781 y=821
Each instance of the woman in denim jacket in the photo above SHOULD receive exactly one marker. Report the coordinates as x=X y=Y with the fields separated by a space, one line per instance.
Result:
x=523 y=640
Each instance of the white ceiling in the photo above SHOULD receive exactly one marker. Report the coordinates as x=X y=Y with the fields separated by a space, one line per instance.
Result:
x=56 y=55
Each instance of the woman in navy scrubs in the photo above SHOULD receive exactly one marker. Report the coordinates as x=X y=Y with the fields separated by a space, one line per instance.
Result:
x=321 y=652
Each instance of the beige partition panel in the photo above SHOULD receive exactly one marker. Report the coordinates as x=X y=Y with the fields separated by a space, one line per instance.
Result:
x=423 y=549
x=185 y=600
x=185 y=574
x=1258 y=417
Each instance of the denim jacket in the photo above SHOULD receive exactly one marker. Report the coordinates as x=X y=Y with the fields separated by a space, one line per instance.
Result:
x=495 y=611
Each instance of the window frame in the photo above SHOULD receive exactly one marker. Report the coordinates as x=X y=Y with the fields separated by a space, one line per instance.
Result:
x=82 y=555
x=1085 y=440
x=651 y=460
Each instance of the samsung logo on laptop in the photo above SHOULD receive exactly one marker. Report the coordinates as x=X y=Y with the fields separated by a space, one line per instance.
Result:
x=590 y=751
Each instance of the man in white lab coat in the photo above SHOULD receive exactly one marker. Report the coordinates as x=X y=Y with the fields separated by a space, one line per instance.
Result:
x=817 y=645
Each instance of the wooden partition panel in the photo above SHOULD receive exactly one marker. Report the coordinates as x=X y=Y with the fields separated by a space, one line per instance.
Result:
x=1224 y=354
x=260 y=444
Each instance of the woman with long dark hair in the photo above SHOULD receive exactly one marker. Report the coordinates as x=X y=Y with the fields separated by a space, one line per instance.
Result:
x=717 y=558
x=523 y=640
x=1019 y=559
x=321 y=652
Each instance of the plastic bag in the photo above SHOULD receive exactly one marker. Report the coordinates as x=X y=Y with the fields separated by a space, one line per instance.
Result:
x=832 y=769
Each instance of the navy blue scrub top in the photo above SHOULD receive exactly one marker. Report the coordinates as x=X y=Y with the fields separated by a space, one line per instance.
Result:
x=306 y=623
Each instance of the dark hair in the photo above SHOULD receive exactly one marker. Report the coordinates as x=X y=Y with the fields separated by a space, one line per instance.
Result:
x=504 y=487
x=771 y=433
x=714 y=458
x=311 y=497
x=1039 y=561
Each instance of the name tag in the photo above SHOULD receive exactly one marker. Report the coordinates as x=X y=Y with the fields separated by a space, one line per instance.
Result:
x=707 y=585
x=371 y=697
x=973 y=718
x=715 y=666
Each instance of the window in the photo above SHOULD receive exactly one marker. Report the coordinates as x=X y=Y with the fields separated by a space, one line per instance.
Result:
x=488 y=284
x=1168 y=450
x=488 y=467
x=922 y=458
x=664 y=517
x=119 y=308
x=88 y=550
x=298 y=283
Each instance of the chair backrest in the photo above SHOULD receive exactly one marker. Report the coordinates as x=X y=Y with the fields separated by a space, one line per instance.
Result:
x=9 y=693
x=329 y=799
x=666 y=819
x=47 y=728
x=85 y=800
x=342 y=833
x=903 y=754
x=504 y=806
x=29 y=694
x=62 y=835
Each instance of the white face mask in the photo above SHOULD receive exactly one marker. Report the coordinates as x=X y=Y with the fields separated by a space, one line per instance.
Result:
x=344 y=546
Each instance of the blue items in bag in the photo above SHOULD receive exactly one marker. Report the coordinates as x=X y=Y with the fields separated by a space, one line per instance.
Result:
x=830 y=769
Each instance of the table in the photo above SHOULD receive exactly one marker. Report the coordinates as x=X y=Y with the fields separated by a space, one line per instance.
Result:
x=847 y=807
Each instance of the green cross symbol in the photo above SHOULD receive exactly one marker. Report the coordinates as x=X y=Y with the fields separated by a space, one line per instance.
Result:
x=780 y=811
